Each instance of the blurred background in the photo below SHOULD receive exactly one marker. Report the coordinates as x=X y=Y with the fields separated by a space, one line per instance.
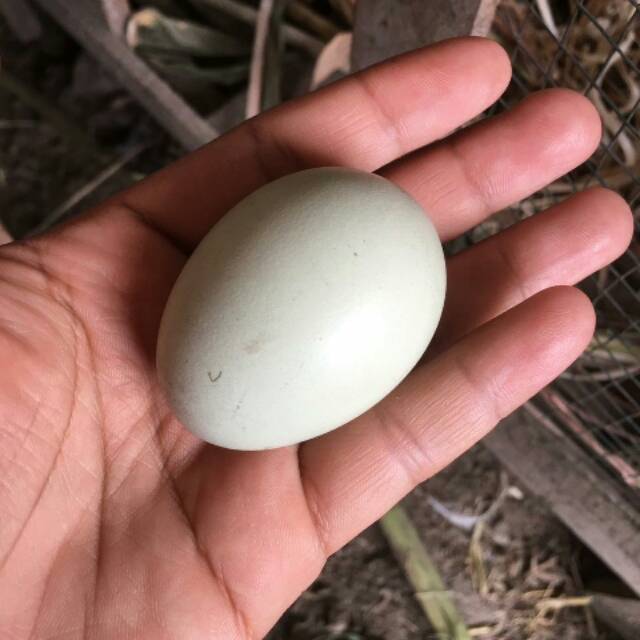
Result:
x=534 y=534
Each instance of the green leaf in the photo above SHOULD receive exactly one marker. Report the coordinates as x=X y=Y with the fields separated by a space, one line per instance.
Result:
x=183 y=73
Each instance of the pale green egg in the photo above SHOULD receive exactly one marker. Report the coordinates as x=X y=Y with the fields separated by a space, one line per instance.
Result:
x=301 y=309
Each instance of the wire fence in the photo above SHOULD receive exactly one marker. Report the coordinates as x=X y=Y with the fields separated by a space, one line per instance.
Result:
x=592 y=47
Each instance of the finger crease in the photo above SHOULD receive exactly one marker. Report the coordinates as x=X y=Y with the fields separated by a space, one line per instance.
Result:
x=474 y=185
x=273 y=157
x=386 y=121
x=312 y=500
x=241 y=619
x=149 y=223
x=403 y=443
x=510 y=267
x=480 y=391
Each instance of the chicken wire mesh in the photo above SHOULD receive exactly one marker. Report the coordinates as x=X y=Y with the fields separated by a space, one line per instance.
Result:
x=591 y=47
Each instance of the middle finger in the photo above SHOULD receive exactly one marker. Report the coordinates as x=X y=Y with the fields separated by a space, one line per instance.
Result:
x=490 y=165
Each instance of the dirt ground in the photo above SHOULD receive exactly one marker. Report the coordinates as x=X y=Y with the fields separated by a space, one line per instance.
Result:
x=74 y=122
x=524 y=556
x=528 y=556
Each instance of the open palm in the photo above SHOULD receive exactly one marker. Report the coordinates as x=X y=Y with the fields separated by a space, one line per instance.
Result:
x=117 y=523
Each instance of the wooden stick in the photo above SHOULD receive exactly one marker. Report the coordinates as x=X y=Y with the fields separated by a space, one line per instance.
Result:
x=87 y=189
x=626 y=471
x=256 y=76
x=484 y=17
x=84 y=22
x=244 y=13
x=264 y=79
x=345 y=8
x=430 y=591
x=305 y=16
x=116 y=13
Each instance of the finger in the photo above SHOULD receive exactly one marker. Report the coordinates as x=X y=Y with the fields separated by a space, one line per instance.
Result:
x=494 y=163
x=561 y=246
x=364 y=121
x=352 y=476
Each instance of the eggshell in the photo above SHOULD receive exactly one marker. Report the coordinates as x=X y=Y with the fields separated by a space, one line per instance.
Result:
x=301 y=309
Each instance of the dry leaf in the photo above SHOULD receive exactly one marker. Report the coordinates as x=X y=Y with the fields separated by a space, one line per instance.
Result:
x=334 y=58
x=5 y=238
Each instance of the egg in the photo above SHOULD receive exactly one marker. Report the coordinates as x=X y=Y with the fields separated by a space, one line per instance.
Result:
x=302 y=308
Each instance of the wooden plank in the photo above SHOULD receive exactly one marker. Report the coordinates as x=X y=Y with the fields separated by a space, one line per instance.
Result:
x=383 y=29
x=552 y=467
x=622 y=615
x=85 y=23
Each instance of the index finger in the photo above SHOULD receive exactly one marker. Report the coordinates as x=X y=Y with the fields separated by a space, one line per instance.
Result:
x=364 y=121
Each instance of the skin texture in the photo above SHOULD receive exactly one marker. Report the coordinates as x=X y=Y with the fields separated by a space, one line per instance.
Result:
x=115 y=522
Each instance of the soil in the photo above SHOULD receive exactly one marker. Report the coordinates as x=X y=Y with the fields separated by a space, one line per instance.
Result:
x=76 y=122
x=524 y=555
x=527 y=555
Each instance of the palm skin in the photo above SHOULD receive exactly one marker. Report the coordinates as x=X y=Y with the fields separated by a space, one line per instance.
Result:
x=115 y=521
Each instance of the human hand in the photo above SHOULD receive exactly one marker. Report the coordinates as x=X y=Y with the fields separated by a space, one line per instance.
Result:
x=115 y=521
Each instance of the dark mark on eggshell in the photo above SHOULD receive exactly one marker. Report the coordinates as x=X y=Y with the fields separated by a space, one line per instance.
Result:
x=214 y=380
